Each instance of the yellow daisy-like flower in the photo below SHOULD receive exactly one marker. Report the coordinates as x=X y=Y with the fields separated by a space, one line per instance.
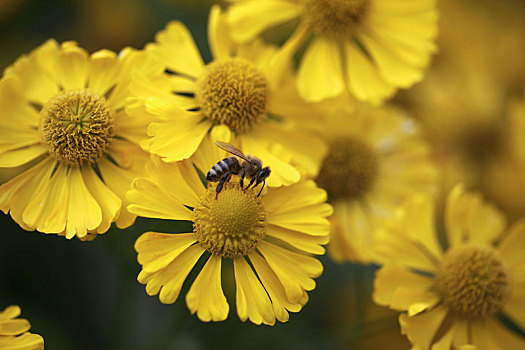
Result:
x=376 y=159
x=467 y=291
x=63 y=112
x=14 y=331
x=269 y=239
x=236 y=91
x=367 y=47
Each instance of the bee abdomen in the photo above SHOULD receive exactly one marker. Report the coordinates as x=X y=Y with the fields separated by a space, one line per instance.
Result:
x=230 y=164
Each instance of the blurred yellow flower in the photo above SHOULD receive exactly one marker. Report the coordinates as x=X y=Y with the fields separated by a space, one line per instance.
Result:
x=367 y=47
x=62 y=112
x=270 y=240
x=376 y=159
x=236 y=90
x=460 y=292
x=14 y=331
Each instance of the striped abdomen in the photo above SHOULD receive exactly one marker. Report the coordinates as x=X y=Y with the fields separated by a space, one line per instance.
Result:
x=228 y=164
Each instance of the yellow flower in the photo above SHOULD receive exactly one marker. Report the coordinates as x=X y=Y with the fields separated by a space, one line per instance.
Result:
x=62 y=112
x=14 y=331
x=238 y=90
x=368 y=47
x=269 y=239
x=466 y=291
x=377 y=158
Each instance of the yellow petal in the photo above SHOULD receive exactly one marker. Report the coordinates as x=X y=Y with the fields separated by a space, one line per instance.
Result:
x=47 y=210
x=156 y=250
x=295 y=271
x=18 y=192
x=249 y=18
x=169 y=279
x=392 y=68
x=176 y=140
x=21 y=156
x=421 y=329
x=176 y=48
x=282 y=172
x=299 y=207
x=179 y=180
x=119 y=180
x=512 y=245
x=104 y=69
x=492 y=335
x=274 y=288
x=108 y=201
x=218 y=34
x=252 y=301
x=208 y=153
x=74 y=64
x=11 y=311
x=307 y=243
x=83 y=212
x=320 y=74
x=148 y=199
x=205 y=296
x=17 y=113
x=14 y=327
x=403 y=290
x=468 y=218
x=26 y=341
x=363 y=79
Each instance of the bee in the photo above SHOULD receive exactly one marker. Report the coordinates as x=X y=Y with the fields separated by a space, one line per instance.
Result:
x=250 y=168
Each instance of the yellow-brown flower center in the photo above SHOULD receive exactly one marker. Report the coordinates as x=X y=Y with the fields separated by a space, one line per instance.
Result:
x=232 y=224
x=473 y=281
x=234 y=93
x=336 y=18
x=76 y=126
x=349 y=170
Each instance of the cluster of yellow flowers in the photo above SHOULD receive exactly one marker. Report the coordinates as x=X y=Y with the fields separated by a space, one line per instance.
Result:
x=103 y=138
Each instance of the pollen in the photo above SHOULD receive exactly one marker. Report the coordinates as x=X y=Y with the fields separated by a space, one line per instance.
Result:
x=76 y=126
x=231 y=224
x=473 y=282
x=349 y=170
x=232 y=92
x=336 y=18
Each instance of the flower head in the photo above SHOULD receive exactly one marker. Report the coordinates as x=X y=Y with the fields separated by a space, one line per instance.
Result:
x=64 y=117
x=367 y=47
x=14 y=331
x=239 y=92
x=377 y=158
x=270 y=239
x=458 y=292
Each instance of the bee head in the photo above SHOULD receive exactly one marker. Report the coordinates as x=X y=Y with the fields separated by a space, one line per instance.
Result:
x=263 y=174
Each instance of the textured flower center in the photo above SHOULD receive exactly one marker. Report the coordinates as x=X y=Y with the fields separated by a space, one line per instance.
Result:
x=232 y=92
x=349 y=170
x=336 y=18
x=76 y=126
x=232 y=224
x=473 y=281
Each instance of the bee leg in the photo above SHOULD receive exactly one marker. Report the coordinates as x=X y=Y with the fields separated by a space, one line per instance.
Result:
x=264 y=183
x=243 y=173
x=225 y=178
x=252 y=181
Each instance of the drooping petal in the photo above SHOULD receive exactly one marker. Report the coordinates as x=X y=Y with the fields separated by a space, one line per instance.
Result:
x=490 y=334
x=168 y=280
x=21 y=156
x=422 y=328
x=320 y=74
x=307 y=243
x=218 y=34
x=156 y=250
x=252 y=301
x=205 y=296
x=295 y=271
x=512 y=245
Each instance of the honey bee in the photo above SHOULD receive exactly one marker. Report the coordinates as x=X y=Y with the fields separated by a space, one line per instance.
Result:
x=250 y=168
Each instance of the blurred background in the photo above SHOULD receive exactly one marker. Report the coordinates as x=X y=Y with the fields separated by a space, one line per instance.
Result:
x=84 y=295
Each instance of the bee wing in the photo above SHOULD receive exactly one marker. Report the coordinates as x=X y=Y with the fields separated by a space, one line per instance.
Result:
x=232 y=149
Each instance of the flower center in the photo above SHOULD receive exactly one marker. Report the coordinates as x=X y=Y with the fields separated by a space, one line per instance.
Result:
x=349 y=170
x=473 y=281
x=336 y=18
x=232 y=224
x=232 y=92
x=76 y=126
